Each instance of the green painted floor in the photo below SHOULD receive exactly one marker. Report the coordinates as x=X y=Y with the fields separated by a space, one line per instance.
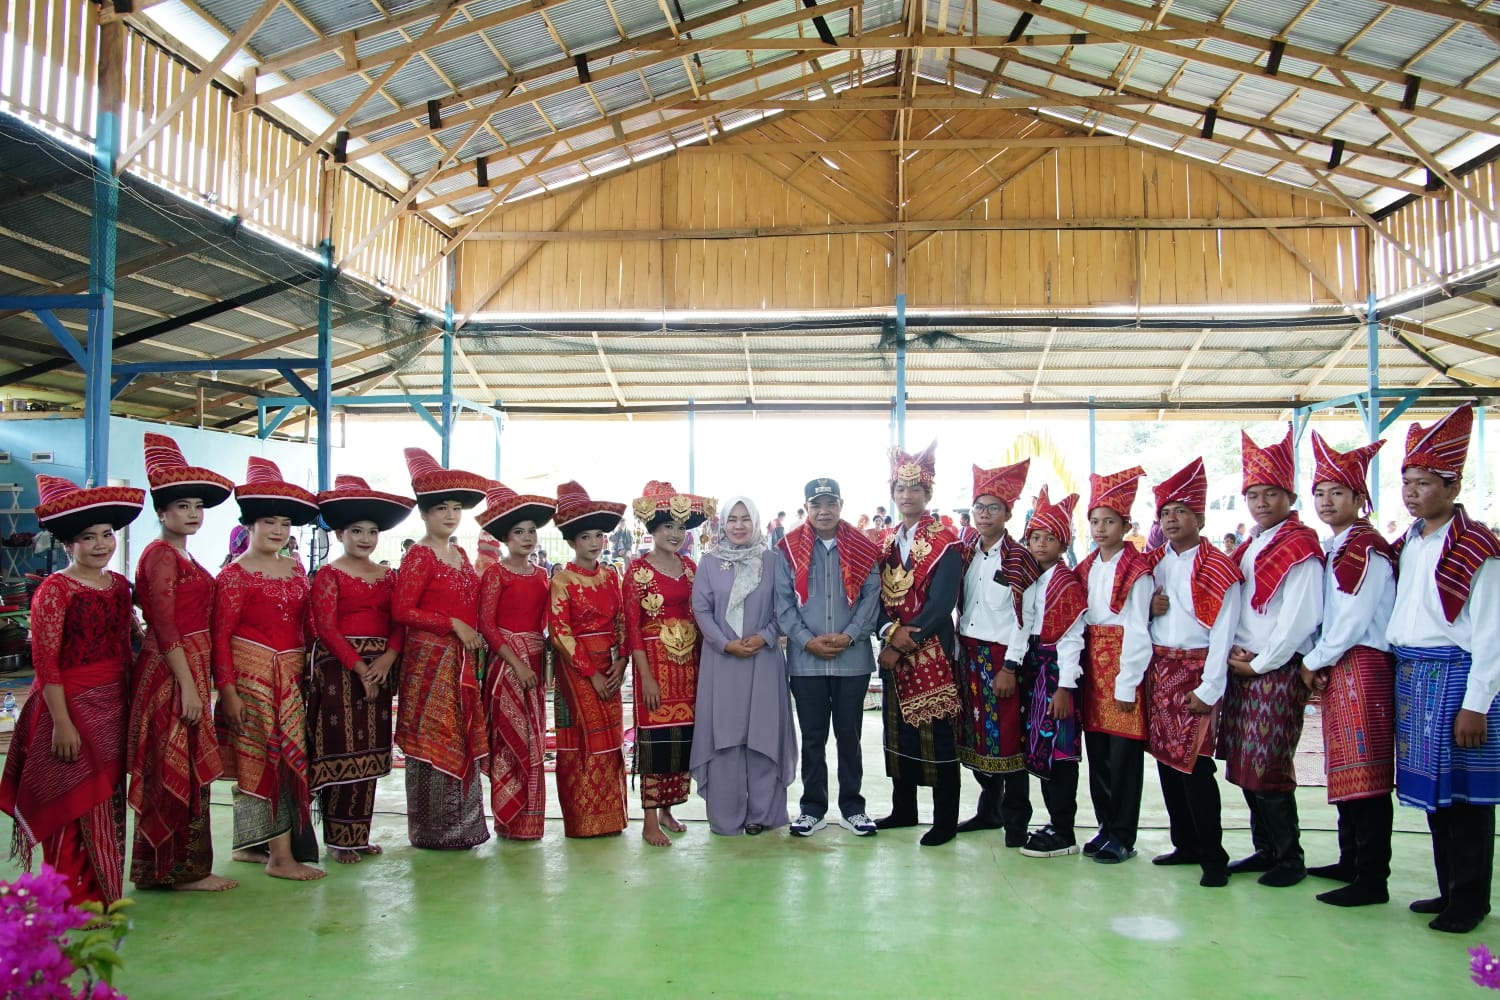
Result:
x=770 y=916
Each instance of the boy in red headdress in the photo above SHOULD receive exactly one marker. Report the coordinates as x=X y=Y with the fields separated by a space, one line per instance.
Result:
x=1117 y=651
x=1052 y=613
x=1445 y=632
x=991 y=643
x=1281 y=604
x=1352 y=666
x=1195 y=610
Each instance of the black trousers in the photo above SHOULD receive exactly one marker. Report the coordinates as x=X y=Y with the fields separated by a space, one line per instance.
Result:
x=1365 y=838
x=1463 y=852
x=1193 y=812
x=1060 y=795
x=1274 y=827
x=1117 y=766
x=1005 y=800
x=840 y=700
x=944 y=797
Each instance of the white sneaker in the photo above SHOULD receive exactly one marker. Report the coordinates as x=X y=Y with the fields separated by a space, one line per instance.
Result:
x=805 y=825
x=859 y=824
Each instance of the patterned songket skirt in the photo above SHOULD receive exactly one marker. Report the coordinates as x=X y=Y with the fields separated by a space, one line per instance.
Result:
x=440 y=727
x=1433 y=772
x=518 y=737
x=1174 y=735
x=1048 y=740
x=1102 y=645
x=1359 y=725
x=270 y=751
x=1259 y=728
x=590 y=750
x=351 y=743
x=988 y=729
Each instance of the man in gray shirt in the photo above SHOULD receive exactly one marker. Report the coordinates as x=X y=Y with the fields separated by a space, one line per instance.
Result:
x=827 y=602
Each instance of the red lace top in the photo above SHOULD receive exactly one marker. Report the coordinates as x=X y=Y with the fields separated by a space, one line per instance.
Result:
x=429 y=592
x=344 y=605
x=174 y=592
x=512 y=602
x=73 y=624
x=260 y=608
x=586 y=602
x=652 y=597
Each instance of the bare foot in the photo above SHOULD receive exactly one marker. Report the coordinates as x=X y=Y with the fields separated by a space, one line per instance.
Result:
x=343 y=856
x=669 y=821
x=294 y=871
x=252 y=855
x=208 y=883
x=651 y=832
x=373 y=849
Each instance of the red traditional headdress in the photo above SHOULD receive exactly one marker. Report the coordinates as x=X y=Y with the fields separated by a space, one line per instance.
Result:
x=1349 y=469
x=505 y=508
x=352 y=500
x=1054 y=517
x=1115 y=491
x=65 y=509
x=434 y=484
x=1444 y=446
x=660 y=502
x=577 y=512
x=920 y=468
x=265 y=494
x=1006 y=482
x=1187 y=486
x=1273 y=465
x=171 y=478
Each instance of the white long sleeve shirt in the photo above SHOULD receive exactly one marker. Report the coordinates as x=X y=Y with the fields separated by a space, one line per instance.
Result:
x=1357 y=619
x=1180 y=629
x=1289 y=624
x=1134 y=618
x=1417 y=617
x=1070 y=645
x=989 y=609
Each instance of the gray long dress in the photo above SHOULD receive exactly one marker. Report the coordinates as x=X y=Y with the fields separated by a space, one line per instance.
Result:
x=744 y=747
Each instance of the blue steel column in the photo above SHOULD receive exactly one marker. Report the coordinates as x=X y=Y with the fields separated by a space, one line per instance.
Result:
x=324 y=392
x=901 y=371
x=101 y=326
x=1372 y=407
x=692 y=449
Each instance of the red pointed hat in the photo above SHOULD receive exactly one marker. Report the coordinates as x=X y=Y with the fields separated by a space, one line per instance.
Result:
x=434 y=484
x=65 y=509
x=1115 y=491
x=1442 y=447
x=1187 y=486
x=1273 y=465
x=505 y=508
x=1054 y=517
x=1350 y=469
x=351 y=500
x=1006 y=482
x=661 y=502
x=577 y=512
x=172 y=479
x=920 y=468
x=265 y=494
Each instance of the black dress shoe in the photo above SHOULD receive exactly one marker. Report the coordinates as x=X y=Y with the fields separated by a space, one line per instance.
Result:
x=1339 y=872
x=895 y=821
x=1435 y=905
x=1097 y=841
x=1453 y=923
x=1175 y=857
x=1214 y=878
x=1260 y=861
x=1356 y=894
x=1112 y=852
x=976 y=824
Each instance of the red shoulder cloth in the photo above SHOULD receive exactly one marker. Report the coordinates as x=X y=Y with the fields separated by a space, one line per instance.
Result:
x=1294 y=543
x=1213 y=574
x=1352 y=560
x=857 y=556
x=1467 y=545
x=1131 y=567
x=1066 y=601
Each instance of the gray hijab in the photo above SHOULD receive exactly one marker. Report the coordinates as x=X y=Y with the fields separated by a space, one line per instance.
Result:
x=746 y=560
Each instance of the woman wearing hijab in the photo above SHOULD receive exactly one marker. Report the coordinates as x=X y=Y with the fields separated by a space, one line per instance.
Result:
x=744 y=750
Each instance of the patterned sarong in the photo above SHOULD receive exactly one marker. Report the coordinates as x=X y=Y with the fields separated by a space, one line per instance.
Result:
x=924 y=684
x=1359 y=725
x=1260 y=727
x=443 y=813
x=1433 y=772
x=1175 y=736
x=664 y=737
x=590 y=747
x=518 y=737
x=351 y=742
x=1048 y=740
x=988 y=729
x=171 y=763
x=441 y=718
x=271 y=750
x=1101 y=653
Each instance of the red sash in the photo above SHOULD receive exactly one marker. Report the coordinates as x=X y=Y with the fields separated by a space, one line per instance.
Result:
x=1294 y=543
x=925 y=688
x=1352 y=559
x=1066 y=601
x=1467 y=545
x=1130 y=567
x=857 y=556
x=1213 y=574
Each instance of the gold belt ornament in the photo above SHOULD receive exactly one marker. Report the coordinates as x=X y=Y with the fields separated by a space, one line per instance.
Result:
x=679 y=637
x=895 y=583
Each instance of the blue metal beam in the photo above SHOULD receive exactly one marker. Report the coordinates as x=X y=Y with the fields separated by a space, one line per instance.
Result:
x=34 y=302
x=63 y=337
x=1373 y=425
x=303 y=389
x=901 y=371
x=101 y=324
x=1395 y=413
x=265 y=429
x=447 y=411
x=692 y=449
x=432 y=421
x=1093 y=442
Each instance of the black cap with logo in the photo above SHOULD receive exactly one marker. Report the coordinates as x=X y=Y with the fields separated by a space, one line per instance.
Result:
x=822 y=488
